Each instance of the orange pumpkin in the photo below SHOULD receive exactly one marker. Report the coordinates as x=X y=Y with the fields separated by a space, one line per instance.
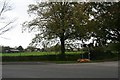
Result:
x=83 y=60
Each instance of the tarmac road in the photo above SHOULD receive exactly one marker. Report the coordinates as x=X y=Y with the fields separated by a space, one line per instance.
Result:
x=48 y=70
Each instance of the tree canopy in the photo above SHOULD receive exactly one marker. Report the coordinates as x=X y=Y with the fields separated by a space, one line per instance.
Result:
x=105 y=25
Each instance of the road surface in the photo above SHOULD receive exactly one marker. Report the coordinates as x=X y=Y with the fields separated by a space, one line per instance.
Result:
x=48 y=70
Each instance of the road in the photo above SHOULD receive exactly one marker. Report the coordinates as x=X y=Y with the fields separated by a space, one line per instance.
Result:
x=48 y=70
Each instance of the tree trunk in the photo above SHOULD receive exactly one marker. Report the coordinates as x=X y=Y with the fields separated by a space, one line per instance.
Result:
x=62 y=40
x=62 y=46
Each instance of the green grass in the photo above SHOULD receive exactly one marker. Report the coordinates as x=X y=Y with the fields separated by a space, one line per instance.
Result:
x=35 y=53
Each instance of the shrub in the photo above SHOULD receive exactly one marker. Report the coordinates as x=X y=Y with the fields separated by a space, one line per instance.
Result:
x=99 y=53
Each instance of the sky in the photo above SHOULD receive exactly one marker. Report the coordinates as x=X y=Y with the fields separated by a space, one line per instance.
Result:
x=15 y=37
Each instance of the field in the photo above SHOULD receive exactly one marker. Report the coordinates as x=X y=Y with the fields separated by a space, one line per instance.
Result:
x=37 y=53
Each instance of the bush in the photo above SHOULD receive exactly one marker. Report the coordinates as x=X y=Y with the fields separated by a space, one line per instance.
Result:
x=99 y=53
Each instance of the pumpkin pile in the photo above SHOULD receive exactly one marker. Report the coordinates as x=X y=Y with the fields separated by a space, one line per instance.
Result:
x=83 y=60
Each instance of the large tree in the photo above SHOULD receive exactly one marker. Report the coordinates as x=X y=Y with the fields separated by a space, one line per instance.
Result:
x=61 y=20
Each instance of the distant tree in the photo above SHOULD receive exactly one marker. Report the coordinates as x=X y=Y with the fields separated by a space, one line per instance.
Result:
x=30 y=48
x=5 y=49
x=55 y=48
x=45 y=45
x=20 y=48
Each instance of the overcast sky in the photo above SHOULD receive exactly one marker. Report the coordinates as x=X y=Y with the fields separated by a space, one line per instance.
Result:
x=15 y=37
